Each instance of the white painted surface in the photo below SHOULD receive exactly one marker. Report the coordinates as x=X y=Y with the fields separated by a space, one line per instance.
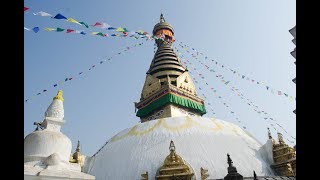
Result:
x=44 y=143
x=55 y=109
x=201 y=142
x=266 y=151
x=53 y=168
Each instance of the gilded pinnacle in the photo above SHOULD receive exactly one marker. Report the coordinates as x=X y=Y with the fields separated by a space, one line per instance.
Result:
x=59 y=96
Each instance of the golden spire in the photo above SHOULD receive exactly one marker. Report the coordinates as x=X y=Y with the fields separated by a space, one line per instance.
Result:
x=174 y=166
x=59 y=96
x=77 y=154
x=78 y=146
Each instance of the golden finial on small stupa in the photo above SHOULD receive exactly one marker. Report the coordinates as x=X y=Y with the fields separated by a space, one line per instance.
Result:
x=59 y=96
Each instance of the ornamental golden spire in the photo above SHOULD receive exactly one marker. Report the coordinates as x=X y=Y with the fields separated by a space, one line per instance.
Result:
x=59 y=96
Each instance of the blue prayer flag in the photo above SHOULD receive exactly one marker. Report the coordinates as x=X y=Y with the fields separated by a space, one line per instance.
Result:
x=36 y=29
x=60 y=16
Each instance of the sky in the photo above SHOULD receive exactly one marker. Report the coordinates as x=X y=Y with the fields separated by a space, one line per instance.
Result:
x=251 y=37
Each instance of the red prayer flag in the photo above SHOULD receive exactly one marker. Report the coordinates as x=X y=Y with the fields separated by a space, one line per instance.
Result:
x=69 y=30
x=97 y=24
x=279 y=92
x=25 y=8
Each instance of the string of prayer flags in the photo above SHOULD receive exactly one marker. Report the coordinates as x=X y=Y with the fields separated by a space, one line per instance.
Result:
x=80 y=74
x=41 y=13
x=220 y=98
x=59 y=16
x=195 y=55
x=249 y=103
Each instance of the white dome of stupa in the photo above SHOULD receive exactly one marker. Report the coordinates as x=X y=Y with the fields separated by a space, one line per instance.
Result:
x=201 y=142
x=43 y=143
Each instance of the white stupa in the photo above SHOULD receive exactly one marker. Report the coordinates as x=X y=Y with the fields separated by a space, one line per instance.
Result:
x=172 y=141
x=201 y=142
x=171 y=114
x=47 y=150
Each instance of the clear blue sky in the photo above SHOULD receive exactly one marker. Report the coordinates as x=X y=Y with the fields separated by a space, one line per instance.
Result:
x=252 y=37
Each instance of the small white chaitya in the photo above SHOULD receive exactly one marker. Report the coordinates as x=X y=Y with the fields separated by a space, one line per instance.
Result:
x=47 y=150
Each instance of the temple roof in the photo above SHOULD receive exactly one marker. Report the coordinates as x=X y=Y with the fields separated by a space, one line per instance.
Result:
x=162 y=25
x=165 y=62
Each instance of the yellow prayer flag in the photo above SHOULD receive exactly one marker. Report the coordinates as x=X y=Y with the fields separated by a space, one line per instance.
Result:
x=73 y=21
x=49 y=29
x=120 y=29
x=94 y=33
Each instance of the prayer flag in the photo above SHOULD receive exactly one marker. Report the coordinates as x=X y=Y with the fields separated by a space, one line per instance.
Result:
x=25 y=8
x=49 y=29
x=100 y=34
x=59 y=16
x=97 y=24
x=41 y=13
x=35 y=29
x=59 y=29
x=85 y=24
x=73 y=21
x=105 y=26
x=83 y=33
x=279 y=92
x=111 y=28
x=120 y=29
x=55 y=85
x=26 y=29
x=69 y=30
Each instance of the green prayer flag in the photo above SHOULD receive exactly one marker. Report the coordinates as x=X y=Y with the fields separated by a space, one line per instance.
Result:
x=100 y=33
x=85 y=24
x=59 y=30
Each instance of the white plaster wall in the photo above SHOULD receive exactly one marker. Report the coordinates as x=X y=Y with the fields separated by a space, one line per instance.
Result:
x=44 y=143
